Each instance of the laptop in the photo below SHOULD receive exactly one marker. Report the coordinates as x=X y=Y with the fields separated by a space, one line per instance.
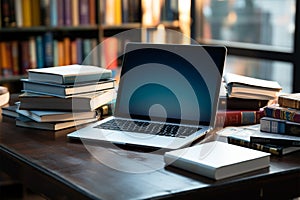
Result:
x=167 y=96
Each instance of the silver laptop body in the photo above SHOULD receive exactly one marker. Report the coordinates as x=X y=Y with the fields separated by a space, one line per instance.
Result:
x=162 y=86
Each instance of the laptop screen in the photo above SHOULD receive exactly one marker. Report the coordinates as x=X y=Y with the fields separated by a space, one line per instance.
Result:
x=170 y=83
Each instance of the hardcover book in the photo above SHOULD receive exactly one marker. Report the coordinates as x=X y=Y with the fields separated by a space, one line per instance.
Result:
x=252 y=88
x=217 y=160
x=81 y=102
x=69 y=74
x=241 y=136
x=63 y=91
x=275 y=139
x=279 y=112
x=290 y=100
x=238 y=117
x=56 y=116
x=10 y=111
x=53 y=126
x=242 y=104
x=273 y=125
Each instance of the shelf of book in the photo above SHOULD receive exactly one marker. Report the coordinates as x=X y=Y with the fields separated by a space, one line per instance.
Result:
x=52 y=26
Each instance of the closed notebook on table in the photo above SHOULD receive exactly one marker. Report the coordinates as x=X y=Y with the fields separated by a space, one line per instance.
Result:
x=217 y=160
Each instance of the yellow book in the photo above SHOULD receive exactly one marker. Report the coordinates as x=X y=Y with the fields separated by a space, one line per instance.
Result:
x=4 y=56
x=75 y=12
x=36 y=15
x=118 y=12
x=60 y=53
x=27 y=13
x=67 y=51
x=73 y=52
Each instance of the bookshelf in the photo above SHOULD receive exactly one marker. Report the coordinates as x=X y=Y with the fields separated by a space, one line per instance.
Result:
x=43 y=33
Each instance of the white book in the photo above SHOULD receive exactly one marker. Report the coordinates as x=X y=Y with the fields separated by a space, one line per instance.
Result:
x=69 y=74
x=217 y=160
x=56 y=116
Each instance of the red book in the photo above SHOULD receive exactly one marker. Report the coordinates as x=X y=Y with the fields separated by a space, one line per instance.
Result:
x=238 y=117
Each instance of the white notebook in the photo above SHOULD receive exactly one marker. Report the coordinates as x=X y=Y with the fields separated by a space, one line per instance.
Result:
x=217 y=160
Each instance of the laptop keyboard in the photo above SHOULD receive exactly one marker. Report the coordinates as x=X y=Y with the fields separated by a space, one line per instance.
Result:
x=148 y=128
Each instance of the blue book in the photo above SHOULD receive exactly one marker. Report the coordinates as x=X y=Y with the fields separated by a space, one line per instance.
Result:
x=53 y=12
x=40 y=51
x=48 y=51
x=79 y=50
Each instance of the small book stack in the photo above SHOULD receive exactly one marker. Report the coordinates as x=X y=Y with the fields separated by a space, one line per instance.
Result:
x=242 y=97
x=282 y=121
x=55 y=98
x=251 y=137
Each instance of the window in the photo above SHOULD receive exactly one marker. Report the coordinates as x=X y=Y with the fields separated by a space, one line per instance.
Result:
x=260 y=36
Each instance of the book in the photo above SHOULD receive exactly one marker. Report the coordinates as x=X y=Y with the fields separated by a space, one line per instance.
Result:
x=10 y=111
x=241 y=136
x=53 y=126
x=242 y=104
x=69 y=74
x=276 y=139
x=273 y=125
x=82 y=102
x=63 y=91
x=289 y=100
x=48 y=48
x=238 y=117
x=217 y=160
x=279 y=112
x=56 y=116
x=251 y=88
x=4 y=96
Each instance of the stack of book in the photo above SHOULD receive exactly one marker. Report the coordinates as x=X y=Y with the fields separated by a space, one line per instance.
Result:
x=282 y=121
x=61 y=97
x=242 y=99
x=252 y=137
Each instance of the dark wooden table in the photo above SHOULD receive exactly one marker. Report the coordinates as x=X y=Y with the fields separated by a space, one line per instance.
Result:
x=49 y=164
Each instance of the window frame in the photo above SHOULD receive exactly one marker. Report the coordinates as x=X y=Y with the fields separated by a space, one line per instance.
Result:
x=254 y=52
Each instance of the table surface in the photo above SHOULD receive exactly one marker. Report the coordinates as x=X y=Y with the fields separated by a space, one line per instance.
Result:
x=50 y=164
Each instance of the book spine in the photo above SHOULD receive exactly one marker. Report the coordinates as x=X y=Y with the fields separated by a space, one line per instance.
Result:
x=15 y=57
x=256 y=146
x=237 y=118
x=84 y=12
x=32 y=53
x=25 y=57
x=282 y=113
x=289 y=103
x=68 y=12
x=45 y=12
x=18 y=9
x=53 y=12
x=27 y=21
x=36 y=12
x=75 y=12
x=275 y=141
x=5 y=13
x=272 y=125
x=48 y=53
x=60 y=12
x=92 y=13
x=39 y=51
